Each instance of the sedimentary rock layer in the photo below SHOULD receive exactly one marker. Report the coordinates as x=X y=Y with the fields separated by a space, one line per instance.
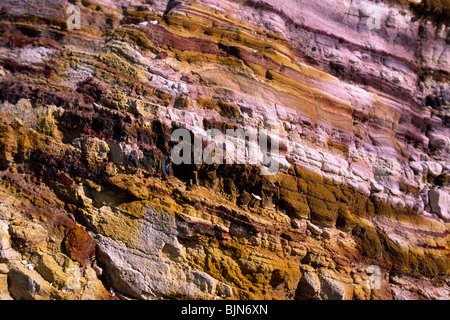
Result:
x=88 y=179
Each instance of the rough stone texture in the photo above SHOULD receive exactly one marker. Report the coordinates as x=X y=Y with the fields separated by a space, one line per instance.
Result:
x=87 y=179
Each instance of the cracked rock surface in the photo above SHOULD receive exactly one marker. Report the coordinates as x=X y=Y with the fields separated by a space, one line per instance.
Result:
x=92 y=205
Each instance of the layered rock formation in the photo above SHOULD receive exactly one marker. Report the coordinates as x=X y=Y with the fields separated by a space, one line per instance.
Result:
x=87 y=177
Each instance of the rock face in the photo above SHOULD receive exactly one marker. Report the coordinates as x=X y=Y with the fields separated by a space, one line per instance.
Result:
x=92 y=205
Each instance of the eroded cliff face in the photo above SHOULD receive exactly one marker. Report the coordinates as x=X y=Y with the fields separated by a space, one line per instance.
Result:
x=87 y=177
